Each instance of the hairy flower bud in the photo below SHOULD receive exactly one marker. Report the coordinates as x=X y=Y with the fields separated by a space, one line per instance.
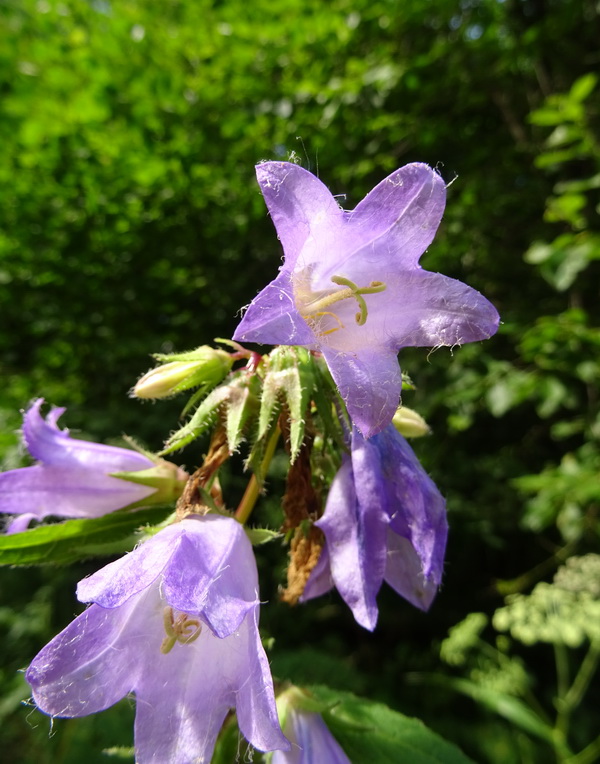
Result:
x=204 y=367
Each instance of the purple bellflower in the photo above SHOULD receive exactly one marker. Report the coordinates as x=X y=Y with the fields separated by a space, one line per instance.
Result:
x=176 y=623
x=351 y=285
x=384 y=520
x=73 y=478
x=312 y=742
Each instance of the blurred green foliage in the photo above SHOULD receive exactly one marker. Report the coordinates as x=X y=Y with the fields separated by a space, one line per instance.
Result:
x=130 y=224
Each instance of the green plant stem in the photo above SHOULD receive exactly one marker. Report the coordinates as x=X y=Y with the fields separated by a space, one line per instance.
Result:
x=589 y=755
x=252 y=492
x=561 y=659
x=584 y=676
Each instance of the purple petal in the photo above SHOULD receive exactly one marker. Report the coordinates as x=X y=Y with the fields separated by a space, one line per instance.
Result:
x=206 y=567
x=320 y=580
x=437 y=311
x=256 y=709
x=93 y=663
x=417 y=509
x=298 y=203
x=356 y=541
x=312 y=742
x=52 y=446
x=114 y=584
x=20 y=523
x=184 y=698
x=369 y=382
x=403 y=572
x=272 y=317
x=66 y=491
x=399 y=217
x=213 y=573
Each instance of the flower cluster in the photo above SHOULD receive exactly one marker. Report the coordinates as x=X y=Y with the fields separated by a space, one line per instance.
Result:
x=175 y=621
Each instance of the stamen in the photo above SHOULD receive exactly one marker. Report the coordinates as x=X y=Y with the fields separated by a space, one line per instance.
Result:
x=352 y=290
x=182 y=629
x=333 y=315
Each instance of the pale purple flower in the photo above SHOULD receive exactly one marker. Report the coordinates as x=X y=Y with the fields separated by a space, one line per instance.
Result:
x=176 y=623
x=351 y=285
x=72 y=477
x=312 y=742
x=384 y=520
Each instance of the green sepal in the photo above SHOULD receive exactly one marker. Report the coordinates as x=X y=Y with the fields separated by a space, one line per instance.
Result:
x=288 y=381
x=73 y=540
x=167 y=478
x=325 y=397
x=203 y=418
x=259 y=536
x=242 y=404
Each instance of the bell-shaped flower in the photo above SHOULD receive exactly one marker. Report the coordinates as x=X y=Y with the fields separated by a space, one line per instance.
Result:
x=384 y=520
x=312 y=742
x=351 y=285
x=176 y=623
x=76 y=478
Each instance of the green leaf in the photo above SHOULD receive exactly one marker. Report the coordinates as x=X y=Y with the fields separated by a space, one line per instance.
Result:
x=369 y=731
x=72 y=540
x=510 y=708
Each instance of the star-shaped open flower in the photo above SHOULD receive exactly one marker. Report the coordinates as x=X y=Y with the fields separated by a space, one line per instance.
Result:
x=176 y=623
x=384 y=520
x=75 y=478
x=351 y=285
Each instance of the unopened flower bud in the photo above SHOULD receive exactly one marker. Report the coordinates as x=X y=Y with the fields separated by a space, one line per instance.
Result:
x=409 y=423
x=167 y=479
x=204 y=367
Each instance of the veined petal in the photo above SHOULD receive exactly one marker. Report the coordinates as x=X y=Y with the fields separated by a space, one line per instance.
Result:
x=369 y=381
x=272 y=317
x=320 y=580
x=213 y=573
x=256 y=709
x=114 y=584
x=66 y=491
x=356 y=540
x=298 y=203
x=403 y=572
x=206 y=567
x=94 y=662
x=439 y=311
x=312 y=742
x=52 y=446
x=417 y=509
x=183 y=700
x=399 y=218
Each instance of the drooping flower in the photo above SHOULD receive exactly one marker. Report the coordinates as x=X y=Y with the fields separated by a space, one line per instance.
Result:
x=312 y=742
x=351 y=285
x=75 y=478
x=384 y=520
x=176 y=623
